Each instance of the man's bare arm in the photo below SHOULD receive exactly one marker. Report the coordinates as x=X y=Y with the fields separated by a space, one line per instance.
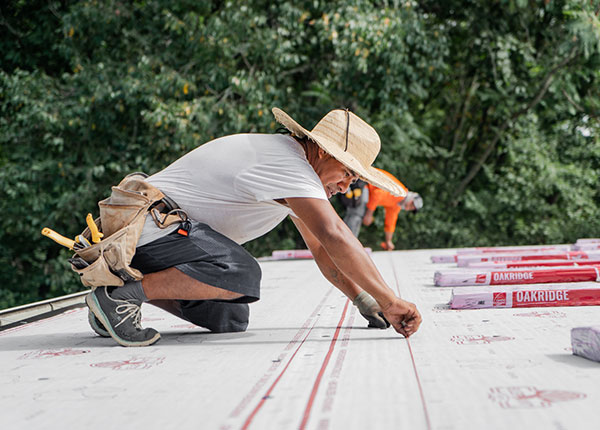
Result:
x=366 y=305
x=347 y=254
x=326 y=265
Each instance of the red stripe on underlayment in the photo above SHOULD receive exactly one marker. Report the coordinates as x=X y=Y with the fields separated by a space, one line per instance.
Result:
x=313 y=393
x=266 y=396
x=412 y=357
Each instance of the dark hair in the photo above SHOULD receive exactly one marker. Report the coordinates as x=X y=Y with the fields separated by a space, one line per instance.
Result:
x=303 y=139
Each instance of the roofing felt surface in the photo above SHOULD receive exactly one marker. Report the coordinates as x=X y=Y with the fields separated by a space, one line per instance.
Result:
x=308 y=361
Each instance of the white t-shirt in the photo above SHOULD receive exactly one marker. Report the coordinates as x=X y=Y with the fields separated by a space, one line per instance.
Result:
x=231 y=184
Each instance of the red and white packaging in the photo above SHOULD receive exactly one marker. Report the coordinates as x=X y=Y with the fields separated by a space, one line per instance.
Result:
x=517 y=249
x=465 y=260
x=443 y=258
x=494 y=265
x=532 y=249
x=513 y=277
x=290 y=254
x=587 y=240
x=586 y=246
x=585 y=342
x=576 y=294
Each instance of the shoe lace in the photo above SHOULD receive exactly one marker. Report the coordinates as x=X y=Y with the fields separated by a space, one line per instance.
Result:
x=133 y=311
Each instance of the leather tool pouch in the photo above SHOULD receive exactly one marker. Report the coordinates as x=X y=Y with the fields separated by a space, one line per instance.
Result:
x=122 y=218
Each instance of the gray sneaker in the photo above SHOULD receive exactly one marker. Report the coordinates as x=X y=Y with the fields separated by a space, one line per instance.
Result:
x=97 y=325
x=121 y=319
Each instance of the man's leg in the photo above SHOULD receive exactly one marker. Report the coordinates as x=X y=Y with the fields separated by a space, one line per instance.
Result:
x=197 y=303
x=204 y=266
x=120 y=318
x=354 y=215
x=217 y=316
x=353 y=221
x=173 y=284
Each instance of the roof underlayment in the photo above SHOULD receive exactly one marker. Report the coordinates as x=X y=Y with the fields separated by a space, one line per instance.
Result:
x=308 y=361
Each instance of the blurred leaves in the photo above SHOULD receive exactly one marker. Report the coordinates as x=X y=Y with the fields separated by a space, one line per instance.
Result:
x=92 y=90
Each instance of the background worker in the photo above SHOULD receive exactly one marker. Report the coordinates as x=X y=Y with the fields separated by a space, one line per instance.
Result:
x=355 y=202
x=392 y=206
x=235 y=189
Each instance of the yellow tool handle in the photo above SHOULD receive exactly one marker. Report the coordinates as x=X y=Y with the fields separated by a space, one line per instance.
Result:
x=64 y=241
x=96 y=235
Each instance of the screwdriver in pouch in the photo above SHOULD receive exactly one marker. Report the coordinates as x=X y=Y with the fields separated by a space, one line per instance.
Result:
x=96 y=235
x=58 y=238
x=82 y=240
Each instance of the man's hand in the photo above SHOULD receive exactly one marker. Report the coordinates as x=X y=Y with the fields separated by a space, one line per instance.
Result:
x=387 y=245
x=404 y=316
x=370 y=310
x=344 y=262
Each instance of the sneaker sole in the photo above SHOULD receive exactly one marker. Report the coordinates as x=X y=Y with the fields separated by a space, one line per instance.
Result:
x=94 y=306
x=93 y=320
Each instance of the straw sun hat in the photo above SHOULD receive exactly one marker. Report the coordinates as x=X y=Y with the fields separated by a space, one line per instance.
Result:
x=348 y=139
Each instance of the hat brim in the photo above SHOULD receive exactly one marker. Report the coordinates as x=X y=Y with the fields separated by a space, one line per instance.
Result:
x=367 y=173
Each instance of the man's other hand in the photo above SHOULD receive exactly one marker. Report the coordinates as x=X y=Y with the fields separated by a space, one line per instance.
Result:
x=404 y=316
x=387 y=245
x=370 y=310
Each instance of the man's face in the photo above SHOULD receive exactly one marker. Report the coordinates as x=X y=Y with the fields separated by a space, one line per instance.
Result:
x=336 y=177
x=410 y=205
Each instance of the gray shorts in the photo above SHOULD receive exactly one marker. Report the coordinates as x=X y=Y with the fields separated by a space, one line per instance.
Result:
x=213 y=259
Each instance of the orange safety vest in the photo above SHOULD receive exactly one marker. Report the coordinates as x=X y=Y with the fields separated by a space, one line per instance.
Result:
x=379 y=197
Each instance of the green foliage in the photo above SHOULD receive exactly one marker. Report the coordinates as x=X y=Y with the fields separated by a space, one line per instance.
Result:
x=488 y=109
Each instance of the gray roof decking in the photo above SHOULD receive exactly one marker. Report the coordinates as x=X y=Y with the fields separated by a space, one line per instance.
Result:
x=308 y=361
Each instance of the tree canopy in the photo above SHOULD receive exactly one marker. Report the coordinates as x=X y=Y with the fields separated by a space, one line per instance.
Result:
x=489 y=109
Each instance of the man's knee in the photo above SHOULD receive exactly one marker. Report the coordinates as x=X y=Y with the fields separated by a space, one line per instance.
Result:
x=245 y=267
